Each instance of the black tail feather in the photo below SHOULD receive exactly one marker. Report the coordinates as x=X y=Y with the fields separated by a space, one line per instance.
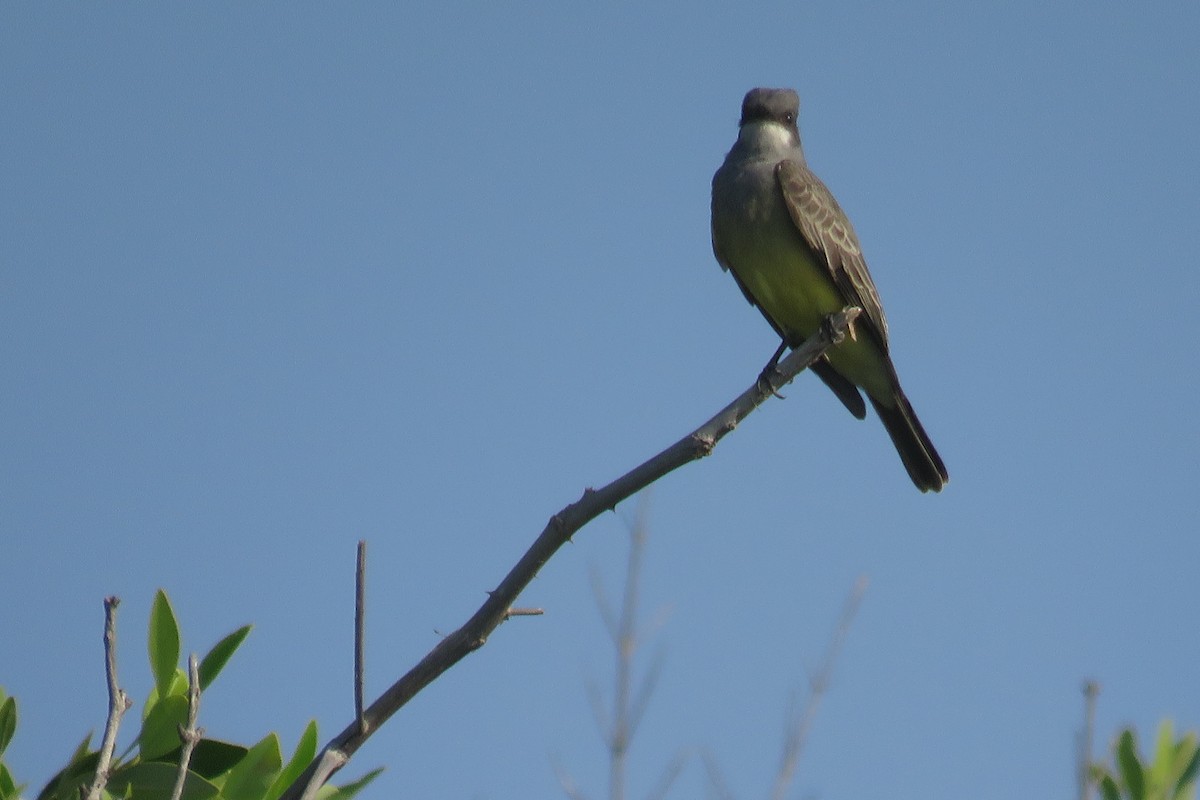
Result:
x=922 y=461
x=846 y=391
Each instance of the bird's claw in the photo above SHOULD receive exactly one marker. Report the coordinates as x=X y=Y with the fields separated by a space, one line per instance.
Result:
x=764 y=381
x=829 y=332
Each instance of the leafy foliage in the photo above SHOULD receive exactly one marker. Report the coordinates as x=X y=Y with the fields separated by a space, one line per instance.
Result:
x=1170 y=776
x=149 y=768
x=8 y=726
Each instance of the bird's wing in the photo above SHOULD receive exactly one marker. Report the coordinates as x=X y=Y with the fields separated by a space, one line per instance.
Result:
x=828 y=232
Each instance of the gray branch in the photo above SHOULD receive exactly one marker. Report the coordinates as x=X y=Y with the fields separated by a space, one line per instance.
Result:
x=190 y=735
x=561 y=527
x=118 y=701
x=360 y=614
x=799 y=726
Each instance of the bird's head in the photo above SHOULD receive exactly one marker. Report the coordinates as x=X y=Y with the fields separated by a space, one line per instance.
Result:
x=769 y=119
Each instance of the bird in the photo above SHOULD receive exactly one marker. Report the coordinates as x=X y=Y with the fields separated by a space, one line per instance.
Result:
x=793 y=252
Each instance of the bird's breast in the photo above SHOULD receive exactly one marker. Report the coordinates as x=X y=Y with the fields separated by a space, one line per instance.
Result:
x=757 y=240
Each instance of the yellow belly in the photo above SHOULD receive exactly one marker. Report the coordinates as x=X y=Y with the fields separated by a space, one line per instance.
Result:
x=797 y=294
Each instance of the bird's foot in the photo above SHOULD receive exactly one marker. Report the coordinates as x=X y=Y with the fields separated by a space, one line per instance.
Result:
x=764 y=382
x=827 y=329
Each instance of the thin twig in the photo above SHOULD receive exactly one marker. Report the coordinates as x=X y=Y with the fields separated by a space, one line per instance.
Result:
x=628 y=706
x=1091 y=690
x=524 y=612
x=567 y=783
x=716 y=782
x=561 y=527
x=669 y=776
x=599 y=711
x=620 y=735
x=189 y=735
x=118 y=701
x=798 y=730
x=641 y=698
x=360 y=613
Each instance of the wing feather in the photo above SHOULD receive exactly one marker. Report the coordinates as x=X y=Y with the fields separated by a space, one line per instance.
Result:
x=828 y=231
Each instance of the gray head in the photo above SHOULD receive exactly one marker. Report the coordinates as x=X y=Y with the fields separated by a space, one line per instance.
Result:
x=768 y=123
x=779 y=105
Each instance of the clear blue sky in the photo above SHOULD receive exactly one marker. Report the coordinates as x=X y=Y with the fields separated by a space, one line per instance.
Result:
x=276 y=278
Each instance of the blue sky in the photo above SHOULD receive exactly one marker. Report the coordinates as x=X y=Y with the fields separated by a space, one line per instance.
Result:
x=276 y=278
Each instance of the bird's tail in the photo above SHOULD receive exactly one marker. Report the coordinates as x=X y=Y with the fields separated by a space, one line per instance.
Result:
x=922 y=461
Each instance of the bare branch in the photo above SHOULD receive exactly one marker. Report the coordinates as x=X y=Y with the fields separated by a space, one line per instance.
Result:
x=657 y=622
x=328 y=762
x=716 y=781
x=360 y=614
x=628 y=704
x=606 y=612
x=561 y=527
x=599 y=712
x=524 y=612
x=1091 y=690
x=118 y=701
x=641 y=698
x=799 y=727
x=567 y=782
x=189 y=734
x=624 y=722
x=669 y=776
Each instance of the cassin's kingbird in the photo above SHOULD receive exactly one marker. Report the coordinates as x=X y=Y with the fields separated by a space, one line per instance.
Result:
x=794 y=254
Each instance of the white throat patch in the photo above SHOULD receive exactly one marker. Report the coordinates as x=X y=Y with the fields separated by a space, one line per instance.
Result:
x=767 y=134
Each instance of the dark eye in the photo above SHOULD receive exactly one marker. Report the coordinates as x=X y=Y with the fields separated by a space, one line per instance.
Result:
x=789 y=117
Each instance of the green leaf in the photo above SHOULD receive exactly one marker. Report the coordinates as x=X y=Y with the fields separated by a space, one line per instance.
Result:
x=328 y=792
x=211 y=758
x=8 y=721
x=160 y=730
x=82 y=750
x=78 y=770
x=9 y=790
x=1108 y=788
x=306 y=751
x=177 y=688
x=255 y=773
x=1161 y=769
x=215 y=660
x=154 y=780
x=1188 y=776
x=1132 y=774
x=163 y=643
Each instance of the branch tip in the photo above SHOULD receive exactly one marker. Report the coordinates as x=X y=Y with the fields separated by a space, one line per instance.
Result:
x=523 y=612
